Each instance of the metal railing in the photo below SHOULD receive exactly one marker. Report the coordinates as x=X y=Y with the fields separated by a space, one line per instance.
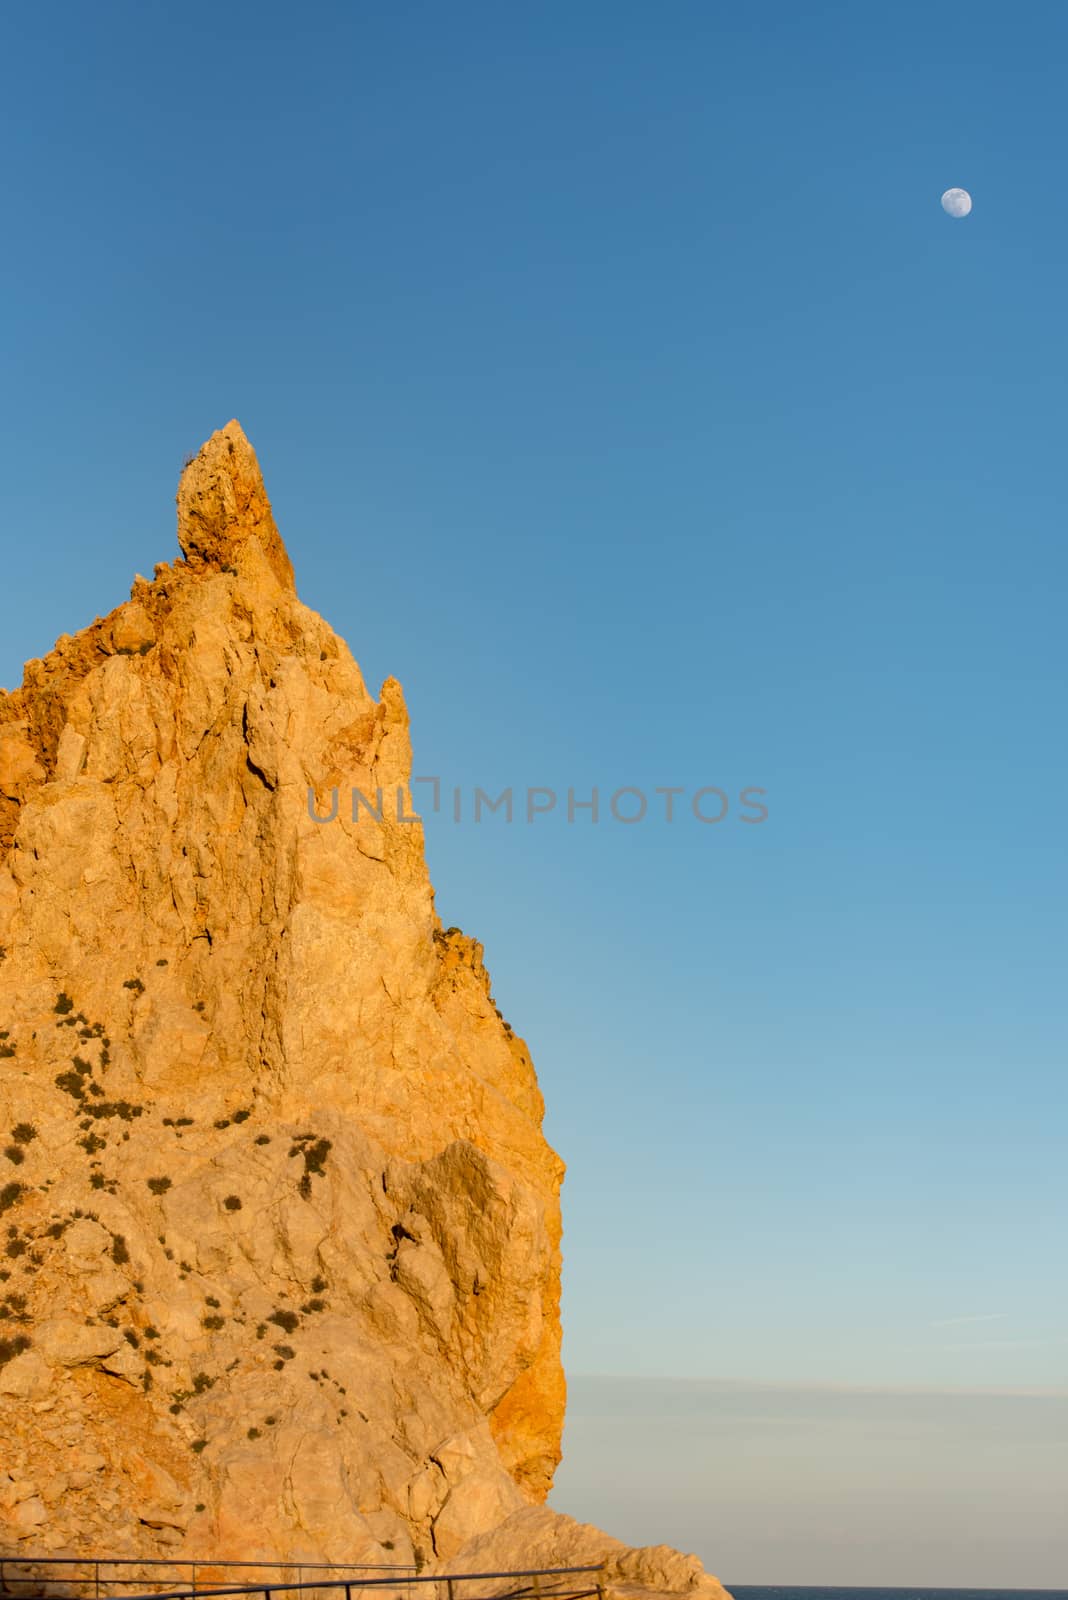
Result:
x=99 y=1580
x=542 y=1583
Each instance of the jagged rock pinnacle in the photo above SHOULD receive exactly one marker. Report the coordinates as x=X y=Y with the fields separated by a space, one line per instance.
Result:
x=222 y=505
x=281 y=1253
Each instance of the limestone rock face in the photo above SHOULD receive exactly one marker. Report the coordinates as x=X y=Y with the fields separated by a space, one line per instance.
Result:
x=222 y=503
x=548 y=1539
x=279 y=1229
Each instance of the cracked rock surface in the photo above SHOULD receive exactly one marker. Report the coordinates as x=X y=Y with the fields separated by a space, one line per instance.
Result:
x=279 y=1228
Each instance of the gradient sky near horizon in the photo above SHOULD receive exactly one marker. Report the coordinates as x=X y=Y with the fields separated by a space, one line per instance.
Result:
x=784 y=1484
x=622 y=388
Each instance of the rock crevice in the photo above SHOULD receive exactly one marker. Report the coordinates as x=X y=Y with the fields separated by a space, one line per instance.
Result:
x=281 y=1231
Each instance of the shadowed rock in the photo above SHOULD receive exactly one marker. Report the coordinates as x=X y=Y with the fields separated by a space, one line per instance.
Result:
x=222 y=505
x=282 y=1230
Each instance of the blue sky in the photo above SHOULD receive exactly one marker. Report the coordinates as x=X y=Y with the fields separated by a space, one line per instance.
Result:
x=622 y=388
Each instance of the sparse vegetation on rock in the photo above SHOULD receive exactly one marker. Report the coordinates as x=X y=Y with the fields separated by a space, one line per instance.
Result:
x=237 y=961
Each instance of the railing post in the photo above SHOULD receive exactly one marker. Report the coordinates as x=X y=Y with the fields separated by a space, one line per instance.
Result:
x=97 y=1566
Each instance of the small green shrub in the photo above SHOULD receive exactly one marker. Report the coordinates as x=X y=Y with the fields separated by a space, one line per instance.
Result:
x=158 y=1185
x=115 y=1108
x=9 y=1348
x=314 y=1152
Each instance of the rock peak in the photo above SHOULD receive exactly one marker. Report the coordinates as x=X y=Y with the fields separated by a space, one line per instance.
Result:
x=223 y=505
x=280 y=1225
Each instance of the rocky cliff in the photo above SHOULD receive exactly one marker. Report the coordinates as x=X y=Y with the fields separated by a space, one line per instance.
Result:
x=280 y=1230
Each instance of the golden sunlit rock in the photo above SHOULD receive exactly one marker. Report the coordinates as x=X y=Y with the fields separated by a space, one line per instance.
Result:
x=281 y=1229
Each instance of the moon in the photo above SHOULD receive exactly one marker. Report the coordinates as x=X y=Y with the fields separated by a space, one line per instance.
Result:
x=956 y=202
